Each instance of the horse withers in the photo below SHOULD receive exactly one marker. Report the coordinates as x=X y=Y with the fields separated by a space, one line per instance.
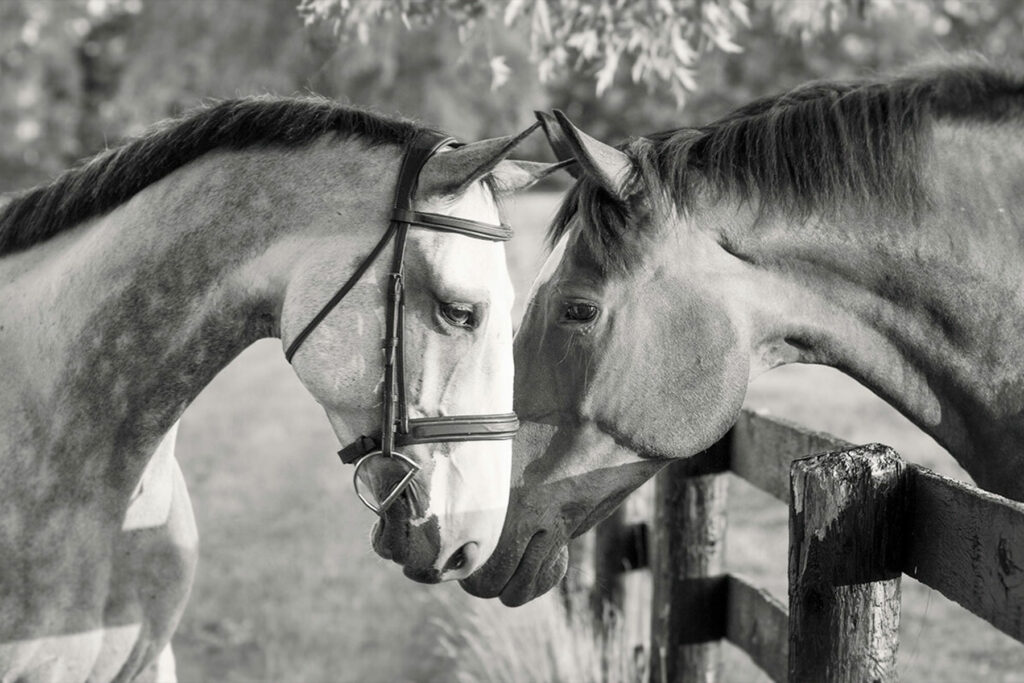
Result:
x=128 y=283
x=876 y=227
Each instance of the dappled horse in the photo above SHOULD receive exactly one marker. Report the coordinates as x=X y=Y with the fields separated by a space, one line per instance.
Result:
x=876 y=227
x=128 y=283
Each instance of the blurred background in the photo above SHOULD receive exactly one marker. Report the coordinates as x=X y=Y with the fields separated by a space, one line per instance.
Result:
x=79 y=75
x=288 y=588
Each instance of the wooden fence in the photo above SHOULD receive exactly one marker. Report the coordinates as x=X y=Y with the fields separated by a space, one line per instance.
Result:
x=859 y=518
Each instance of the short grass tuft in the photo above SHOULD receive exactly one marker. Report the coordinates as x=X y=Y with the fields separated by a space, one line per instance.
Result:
x=541 y=642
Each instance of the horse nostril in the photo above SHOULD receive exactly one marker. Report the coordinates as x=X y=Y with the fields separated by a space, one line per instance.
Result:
x=456 y=561
x=461 y=557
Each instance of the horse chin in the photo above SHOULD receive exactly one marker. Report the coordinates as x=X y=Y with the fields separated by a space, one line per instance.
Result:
x=532 y=582
x=540 y=566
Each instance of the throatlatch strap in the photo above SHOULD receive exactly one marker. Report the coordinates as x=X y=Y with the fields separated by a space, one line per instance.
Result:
x=340 y=294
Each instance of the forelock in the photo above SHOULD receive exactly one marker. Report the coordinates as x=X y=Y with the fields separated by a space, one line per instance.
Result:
x=613 y=234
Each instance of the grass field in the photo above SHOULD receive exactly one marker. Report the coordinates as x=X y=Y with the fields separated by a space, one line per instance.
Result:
x=288 y=590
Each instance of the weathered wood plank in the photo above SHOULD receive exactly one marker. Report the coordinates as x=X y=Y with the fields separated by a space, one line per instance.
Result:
x=758 y=624
x=969 y=545
x=844 y=577
x=605 y=583
x=687 y=558
x=600 y=558
x=615 y=550
x=577 y=587
x=762 y=448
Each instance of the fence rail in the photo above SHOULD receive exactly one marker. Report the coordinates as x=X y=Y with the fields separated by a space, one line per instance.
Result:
x=859 y=518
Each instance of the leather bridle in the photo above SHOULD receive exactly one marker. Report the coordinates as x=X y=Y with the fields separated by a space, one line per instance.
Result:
x=397 y=429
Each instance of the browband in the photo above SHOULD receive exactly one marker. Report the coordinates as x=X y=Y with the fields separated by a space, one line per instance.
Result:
x=463 y=226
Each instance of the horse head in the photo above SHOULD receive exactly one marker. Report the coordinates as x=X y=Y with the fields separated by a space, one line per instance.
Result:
x=627 y=357
x=447 y=361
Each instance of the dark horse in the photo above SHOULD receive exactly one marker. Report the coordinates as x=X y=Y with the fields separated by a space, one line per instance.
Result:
x=876 y=227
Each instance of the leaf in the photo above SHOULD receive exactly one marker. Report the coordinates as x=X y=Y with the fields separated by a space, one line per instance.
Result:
x=542 y=19
x=740 y=10
x=606 y=75
x=681 y=48
x=685 y=77
x=546 y=69
x=512 y=11
x=586 y=42
x=639 y=68
x=500 y=72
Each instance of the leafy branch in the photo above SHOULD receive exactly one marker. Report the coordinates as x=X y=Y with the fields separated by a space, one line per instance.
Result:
x=659 y=42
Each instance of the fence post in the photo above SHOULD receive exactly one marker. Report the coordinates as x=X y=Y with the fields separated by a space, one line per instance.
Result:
x=620 y=546
x=577 y=588
x=844 y=579
x=688 y=614
x=601 y=577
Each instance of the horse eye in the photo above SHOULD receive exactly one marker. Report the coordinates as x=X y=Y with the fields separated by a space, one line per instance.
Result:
x=460 y=315
x=579 y=312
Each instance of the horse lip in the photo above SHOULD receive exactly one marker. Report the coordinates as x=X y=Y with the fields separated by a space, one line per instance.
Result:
x=377 y=540
x=520 y=586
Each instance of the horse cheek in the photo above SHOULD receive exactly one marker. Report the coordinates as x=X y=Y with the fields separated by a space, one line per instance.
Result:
x=684 y=382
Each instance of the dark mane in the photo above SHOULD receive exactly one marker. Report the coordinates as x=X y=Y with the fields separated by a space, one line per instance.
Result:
x=821 y=147
x=113 y=177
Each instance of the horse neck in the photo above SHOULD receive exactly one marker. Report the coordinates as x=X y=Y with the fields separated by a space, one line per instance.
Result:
x=925 y=311
x=120 y=323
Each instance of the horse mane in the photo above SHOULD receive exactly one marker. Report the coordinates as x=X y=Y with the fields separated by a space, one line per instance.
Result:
x=818 y=148
x=112 y=177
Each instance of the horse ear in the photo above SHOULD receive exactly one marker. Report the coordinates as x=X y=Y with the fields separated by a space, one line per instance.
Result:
x=452 y=171
x=603 y=163
x=513 y=175
x=559 y=145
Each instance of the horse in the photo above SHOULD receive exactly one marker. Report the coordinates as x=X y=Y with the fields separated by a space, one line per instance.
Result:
x=875 y=226
x=127 y=283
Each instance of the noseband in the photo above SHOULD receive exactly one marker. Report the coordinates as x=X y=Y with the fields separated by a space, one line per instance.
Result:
x=397 y=429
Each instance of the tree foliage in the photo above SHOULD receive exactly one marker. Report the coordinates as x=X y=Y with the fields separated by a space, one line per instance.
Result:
x=41 y=95
x=78 y=75
x=658 y=42
x=886 y=38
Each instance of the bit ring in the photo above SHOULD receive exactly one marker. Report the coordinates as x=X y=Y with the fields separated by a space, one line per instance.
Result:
x=379 y=510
